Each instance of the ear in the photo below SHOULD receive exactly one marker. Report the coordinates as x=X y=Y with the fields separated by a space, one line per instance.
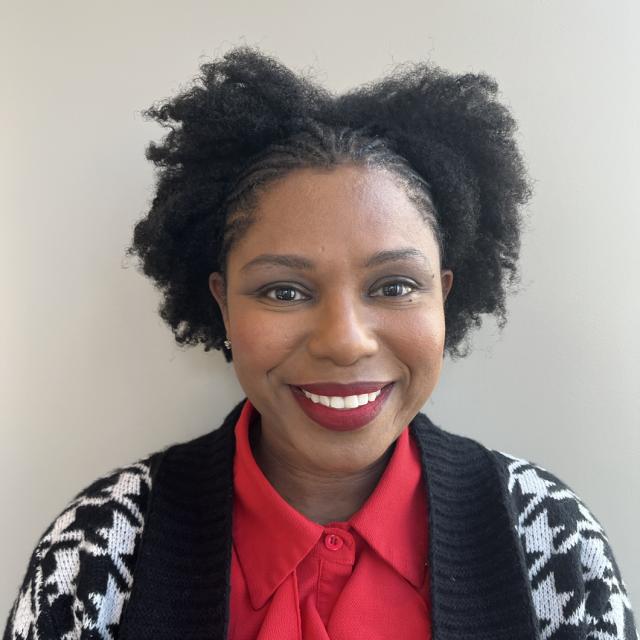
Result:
x=446 y=280
x=218 y=290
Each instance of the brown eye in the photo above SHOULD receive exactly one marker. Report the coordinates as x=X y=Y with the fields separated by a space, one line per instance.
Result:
x=396 y=289
x=284 y=294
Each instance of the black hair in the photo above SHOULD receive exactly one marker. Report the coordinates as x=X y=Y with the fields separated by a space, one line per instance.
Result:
x=247 y=120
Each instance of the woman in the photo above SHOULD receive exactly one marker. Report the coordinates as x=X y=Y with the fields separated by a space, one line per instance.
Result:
x=315 y=239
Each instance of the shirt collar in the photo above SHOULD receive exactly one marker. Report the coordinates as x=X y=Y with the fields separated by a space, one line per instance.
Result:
x=271 y=537
x=393 y=520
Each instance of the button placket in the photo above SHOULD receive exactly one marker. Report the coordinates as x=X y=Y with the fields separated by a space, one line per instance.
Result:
x=336 y=553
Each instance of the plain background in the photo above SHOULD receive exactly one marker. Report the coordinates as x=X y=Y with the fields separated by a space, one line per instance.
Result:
x=91 y=378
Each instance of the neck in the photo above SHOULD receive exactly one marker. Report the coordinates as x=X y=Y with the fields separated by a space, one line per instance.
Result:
x=322 y=498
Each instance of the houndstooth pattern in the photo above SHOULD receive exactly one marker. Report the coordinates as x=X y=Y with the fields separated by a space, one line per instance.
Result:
x=560 y=538
x=81 y=571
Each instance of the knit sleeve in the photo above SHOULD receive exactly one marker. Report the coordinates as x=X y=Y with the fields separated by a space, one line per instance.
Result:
x=80 y=573
x=577 y=588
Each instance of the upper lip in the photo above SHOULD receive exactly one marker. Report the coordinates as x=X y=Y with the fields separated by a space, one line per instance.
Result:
x=339 y=389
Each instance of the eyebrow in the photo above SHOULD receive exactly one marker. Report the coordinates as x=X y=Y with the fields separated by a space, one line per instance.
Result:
x=294 y=261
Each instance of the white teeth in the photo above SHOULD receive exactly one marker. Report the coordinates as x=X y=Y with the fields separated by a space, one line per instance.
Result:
x=351 y=402
x=343 y=402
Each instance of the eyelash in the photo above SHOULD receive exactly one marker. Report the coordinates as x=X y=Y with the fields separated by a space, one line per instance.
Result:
x=404 y=283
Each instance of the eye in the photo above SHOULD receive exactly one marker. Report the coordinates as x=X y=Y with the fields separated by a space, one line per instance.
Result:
x=396 y=289
x=284 y=293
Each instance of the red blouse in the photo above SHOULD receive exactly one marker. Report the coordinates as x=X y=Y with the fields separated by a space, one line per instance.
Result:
x=364 y=579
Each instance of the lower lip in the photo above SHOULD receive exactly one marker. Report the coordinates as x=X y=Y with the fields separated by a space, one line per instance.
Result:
x=342 y=419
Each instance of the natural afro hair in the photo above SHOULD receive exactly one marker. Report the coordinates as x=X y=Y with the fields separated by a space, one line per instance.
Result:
x=247 y=120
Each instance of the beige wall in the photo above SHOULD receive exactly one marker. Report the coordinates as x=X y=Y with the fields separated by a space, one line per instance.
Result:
x=91 y=378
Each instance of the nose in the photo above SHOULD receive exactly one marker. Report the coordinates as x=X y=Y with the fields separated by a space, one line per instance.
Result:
x=342 y=331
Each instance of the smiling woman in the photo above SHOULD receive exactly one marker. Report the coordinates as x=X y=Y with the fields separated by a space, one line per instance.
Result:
x=356 y=309
x=335 y=248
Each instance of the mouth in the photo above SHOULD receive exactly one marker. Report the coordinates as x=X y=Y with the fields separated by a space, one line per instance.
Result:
x=342 y=407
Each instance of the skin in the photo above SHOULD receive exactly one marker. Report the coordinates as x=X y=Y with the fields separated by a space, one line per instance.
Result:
x=341 y=326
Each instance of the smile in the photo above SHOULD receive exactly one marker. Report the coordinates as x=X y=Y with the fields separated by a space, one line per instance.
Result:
x=342 y=412
x=343 y=402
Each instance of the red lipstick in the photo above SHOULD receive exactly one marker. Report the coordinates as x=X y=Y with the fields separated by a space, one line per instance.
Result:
x=342 y=419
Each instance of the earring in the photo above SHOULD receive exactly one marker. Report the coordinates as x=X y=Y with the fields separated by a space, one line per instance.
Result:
x=227 y=344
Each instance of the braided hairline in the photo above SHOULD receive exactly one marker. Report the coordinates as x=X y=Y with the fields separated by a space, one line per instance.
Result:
x=323 y=146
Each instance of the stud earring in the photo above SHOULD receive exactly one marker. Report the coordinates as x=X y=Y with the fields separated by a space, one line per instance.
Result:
x=227 y=344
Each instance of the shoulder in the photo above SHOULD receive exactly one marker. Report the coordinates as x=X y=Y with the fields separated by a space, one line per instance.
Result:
x=81 y=571
x=576 y=584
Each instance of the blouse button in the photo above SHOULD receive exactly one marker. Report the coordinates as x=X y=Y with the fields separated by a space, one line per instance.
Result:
x=333 y=542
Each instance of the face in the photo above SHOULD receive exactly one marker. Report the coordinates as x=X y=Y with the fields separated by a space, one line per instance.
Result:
x=336 y=281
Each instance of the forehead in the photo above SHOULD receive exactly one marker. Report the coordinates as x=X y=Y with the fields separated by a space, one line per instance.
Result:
x=346 y=210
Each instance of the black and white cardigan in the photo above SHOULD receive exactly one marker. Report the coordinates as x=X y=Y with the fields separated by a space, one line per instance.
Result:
x=145 y=551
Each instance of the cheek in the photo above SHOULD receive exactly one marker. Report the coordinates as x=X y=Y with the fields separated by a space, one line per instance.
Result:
x=417 y=337
x=417 y=342
x=261 y=342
